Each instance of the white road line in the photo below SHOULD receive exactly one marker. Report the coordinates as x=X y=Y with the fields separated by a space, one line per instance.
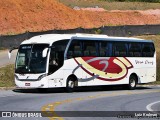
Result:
x=149 y=106
x=11 y=95
x=7 y=96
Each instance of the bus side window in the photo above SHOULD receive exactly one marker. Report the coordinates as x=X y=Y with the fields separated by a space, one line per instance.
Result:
x=56 y=59
x=147 y=50
x=134 y=50
x=103 y=49
x=119 y=49
x=75 y=49
x=89 y=48
x=152 y=49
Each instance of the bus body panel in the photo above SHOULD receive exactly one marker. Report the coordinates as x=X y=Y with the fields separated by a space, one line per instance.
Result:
x=43 y=83
x=56 y=79
x=144 y=69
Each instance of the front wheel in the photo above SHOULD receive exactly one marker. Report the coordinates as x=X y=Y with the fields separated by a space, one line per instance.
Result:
x=70 y=85
x=132 y=82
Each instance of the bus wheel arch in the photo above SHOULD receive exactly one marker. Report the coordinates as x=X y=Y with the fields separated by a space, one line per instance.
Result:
x=71 y=83
x=133 y=81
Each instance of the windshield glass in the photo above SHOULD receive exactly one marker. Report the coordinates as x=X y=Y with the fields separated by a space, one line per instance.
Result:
x=30 y=59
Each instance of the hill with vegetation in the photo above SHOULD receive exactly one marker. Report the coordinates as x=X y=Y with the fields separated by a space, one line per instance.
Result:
x=114 y=4
x=19 y=16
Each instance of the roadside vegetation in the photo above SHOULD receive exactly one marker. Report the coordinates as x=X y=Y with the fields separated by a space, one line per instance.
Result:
x=114 y=4
x=7 y=76
x=7 y=73
x=152 y=1
x=2 y=49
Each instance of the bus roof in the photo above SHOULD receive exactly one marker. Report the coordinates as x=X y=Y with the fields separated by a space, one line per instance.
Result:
x=50 y=38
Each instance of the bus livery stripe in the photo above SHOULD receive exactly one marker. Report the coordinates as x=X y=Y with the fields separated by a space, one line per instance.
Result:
x=103 y=74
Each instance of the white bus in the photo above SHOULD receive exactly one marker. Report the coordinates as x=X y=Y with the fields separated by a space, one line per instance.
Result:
x=72 y=60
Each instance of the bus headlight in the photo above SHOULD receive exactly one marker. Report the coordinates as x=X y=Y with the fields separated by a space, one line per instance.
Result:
x=16 y=76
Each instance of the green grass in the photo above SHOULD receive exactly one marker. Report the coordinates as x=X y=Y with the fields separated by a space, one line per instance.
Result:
x=7 y=73
x=7 y=76
x=114 y=5
x=2 y=48
x=151 y=1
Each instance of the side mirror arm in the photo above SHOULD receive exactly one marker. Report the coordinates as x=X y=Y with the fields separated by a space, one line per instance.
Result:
x=10 y=50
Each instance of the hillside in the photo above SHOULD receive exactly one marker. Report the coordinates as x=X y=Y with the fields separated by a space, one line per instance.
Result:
x=34 y=15
x=18 y=16
x=113 y=4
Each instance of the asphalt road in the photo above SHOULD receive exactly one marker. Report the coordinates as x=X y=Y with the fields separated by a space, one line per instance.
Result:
x=4 y=60
x=96 y=101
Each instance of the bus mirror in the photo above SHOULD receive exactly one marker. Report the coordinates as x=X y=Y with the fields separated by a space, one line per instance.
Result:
x=44 y=53
x=9 y=54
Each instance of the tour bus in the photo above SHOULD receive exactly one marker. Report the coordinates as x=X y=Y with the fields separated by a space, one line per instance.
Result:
x=72 y=60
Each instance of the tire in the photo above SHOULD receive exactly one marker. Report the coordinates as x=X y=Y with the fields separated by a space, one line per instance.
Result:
x=70 y=84
x=132 y=82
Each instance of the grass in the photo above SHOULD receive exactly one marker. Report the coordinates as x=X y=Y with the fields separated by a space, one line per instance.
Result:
x=7 y=73
x=152 y=1
x=7 y=76
x=111 y=5
x=2 y=48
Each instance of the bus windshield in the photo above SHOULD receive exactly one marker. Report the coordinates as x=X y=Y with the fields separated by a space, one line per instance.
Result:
x=30 y=59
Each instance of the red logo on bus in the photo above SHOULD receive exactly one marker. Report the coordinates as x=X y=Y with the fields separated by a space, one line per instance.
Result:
x=105 y=68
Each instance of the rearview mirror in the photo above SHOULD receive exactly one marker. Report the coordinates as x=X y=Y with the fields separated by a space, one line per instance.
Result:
x=9 y=52
x=44 y=53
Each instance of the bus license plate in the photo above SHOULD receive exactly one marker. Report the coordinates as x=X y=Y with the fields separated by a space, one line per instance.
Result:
x=27 y=84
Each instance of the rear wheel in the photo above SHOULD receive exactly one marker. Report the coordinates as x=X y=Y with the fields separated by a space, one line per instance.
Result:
x=132 y=82
x=70 y=84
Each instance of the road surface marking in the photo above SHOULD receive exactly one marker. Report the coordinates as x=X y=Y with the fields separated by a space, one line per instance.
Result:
x=7 y=95
x=12 y=95
x=52 y=106
x=149 y=106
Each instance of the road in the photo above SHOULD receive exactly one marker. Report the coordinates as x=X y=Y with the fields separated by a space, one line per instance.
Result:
x=4 y=60
x=83 y=99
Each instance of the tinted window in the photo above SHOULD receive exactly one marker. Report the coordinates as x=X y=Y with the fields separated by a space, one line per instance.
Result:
x=148 y=50
x=60 y=45
x=119 y=49
x=57 y=55
x=30 y=59
x=103 y=49
x=89 y=48
x=134 y=50
x=75 y=49
x=80 y=48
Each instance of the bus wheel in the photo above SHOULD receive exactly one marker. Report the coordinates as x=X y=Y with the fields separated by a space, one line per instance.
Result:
x=132 y=82
x=70 y=84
